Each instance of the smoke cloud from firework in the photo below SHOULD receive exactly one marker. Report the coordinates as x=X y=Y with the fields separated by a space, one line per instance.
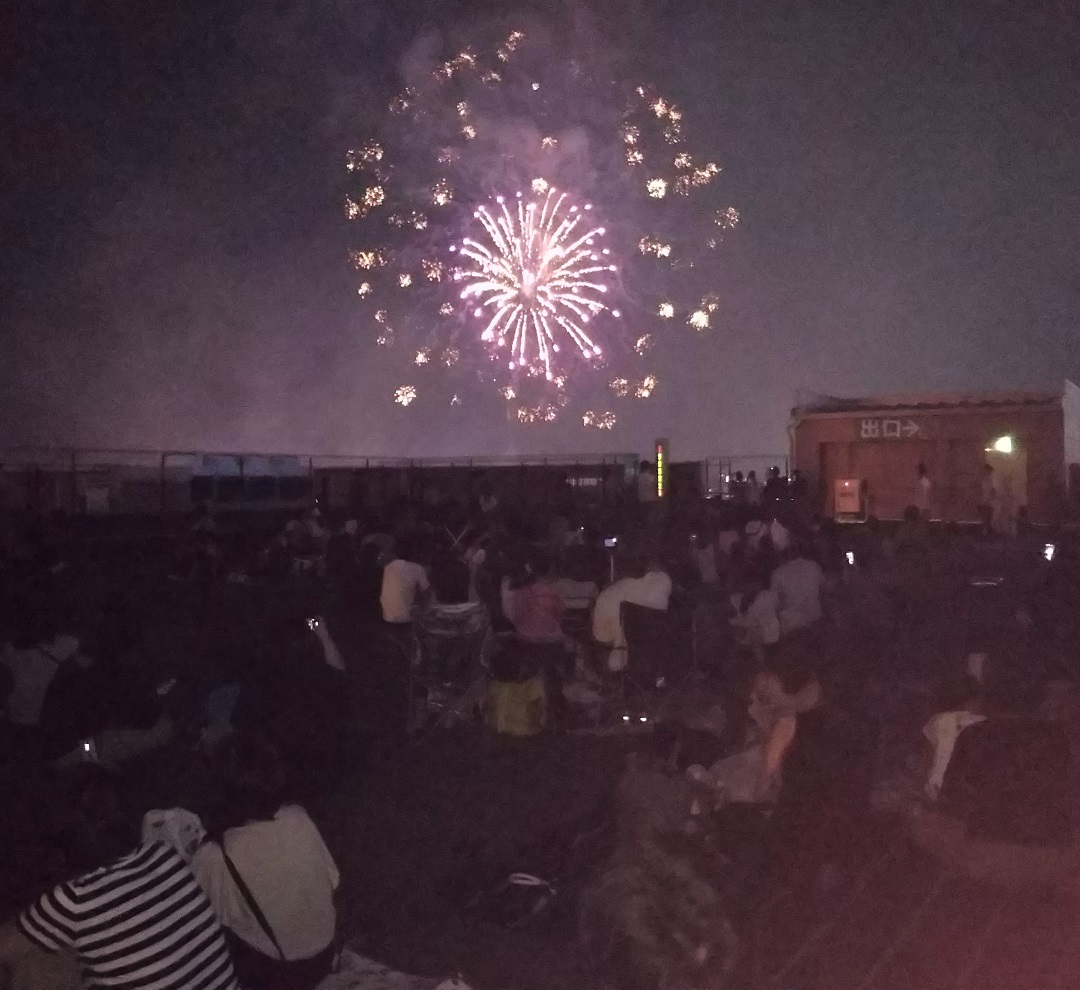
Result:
x=531 y=223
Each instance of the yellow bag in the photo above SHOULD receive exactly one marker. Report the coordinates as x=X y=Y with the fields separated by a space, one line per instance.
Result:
x=517 y=709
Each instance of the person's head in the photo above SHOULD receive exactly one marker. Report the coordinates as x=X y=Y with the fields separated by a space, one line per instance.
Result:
x=646 y=467
x=98 y=823
x=912 y=514
x=922 y=470
x=792 y=662
x=253 y=779
x=450 y=580
x=774 y=472
x=538 y=567
x=987 y=470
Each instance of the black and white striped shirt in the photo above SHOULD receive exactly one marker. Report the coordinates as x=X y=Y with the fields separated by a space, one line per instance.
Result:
x=142 y=922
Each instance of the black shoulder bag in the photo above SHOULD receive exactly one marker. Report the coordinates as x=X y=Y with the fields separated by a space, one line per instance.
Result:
x=251 y=902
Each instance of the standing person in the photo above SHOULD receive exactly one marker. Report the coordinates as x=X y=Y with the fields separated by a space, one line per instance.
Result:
x=141 y=920
x=988 y=500
x=738 y=489
x=753 y=490
x=798 y=583
x=270 y=878
x=924 y=489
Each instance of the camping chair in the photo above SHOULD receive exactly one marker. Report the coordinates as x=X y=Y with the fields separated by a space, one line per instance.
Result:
x=453 y=641
x=658 y=644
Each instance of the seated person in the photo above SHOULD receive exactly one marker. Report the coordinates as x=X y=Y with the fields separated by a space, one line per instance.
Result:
x=1006 y=776
x=648 y=587
x=657 y=914
x=36 y=652
x=535 y=607
x=756 y=621
x=784 y=691
x=451 y=628
x=137 y=918
x=105 y=708
x=959 y=707
x=576 y=586
x=300 y=696
x=269 y=877
x=404 y=586
x=798 y=584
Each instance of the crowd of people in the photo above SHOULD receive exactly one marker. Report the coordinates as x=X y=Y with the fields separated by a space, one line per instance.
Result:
x=390 y=614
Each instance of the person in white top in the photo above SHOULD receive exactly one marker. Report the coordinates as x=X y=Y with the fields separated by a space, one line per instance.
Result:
x=652 y=590
x=280 y=857
x=798 y=583
x=403 y=584
x=756 y=621
x=924 y=492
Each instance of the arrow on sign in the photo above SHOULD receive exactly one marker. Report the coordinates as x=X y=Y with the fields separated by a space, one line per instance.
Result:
x=910 y=429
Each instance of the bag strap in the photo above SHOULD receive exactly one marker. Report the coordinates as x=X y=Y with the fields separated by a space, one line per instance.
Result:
x=251 y=902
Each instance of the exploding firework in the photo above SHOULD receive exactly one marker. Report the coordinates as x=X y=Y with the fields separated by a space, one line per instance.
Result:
x=529 y=226
x=538 y=278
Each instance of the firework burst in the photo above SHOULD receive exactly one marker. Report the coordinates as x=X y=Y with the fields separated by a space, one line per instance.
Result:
x=527 y=226
x=538 y=277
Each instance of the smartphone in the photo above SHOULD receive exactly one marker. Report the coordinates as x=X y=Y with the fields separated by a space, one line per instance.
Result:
x=89 y=751
x=611 y=542
x=850 y=558
x=1049 y=550
x=313 y=624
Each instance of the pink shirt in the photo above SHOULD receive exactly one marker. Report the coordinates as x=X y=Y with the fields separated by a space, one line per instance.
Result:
x=536 y=611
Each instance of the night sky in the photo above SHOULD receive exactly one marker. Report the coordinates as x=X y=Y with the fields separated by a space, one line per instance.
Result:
x=174 y=251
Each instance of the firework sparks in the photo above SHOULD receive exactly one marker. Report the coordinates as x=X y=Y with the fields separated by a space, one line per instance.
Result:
x=537 y=281
x=441 y=193
x=599 y=420
x=532 y=297
x=646 y=387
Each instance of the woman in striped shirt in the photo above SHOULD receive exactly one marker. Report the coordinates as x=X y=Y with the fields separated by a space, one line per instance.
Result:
x=142 y=921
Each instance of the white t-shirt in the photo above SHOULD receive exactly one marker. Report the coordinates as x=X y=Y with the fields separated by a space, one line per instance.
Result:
x=761 y=620
x=32 y=671
x=797 y=584
x=778 y=533
x=291 y=876
x=941 y=732
x=922 y=494
x=401 y=581
x=651 y=591
x=705 y=557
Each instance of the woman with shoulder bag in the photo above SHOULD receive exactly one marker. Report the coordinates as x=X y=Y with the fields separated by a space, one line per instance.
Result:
x=270 y=878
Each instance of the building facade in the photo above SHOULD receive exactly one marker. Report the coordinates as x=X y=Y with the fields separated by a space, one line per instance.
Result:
x=876 y=447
